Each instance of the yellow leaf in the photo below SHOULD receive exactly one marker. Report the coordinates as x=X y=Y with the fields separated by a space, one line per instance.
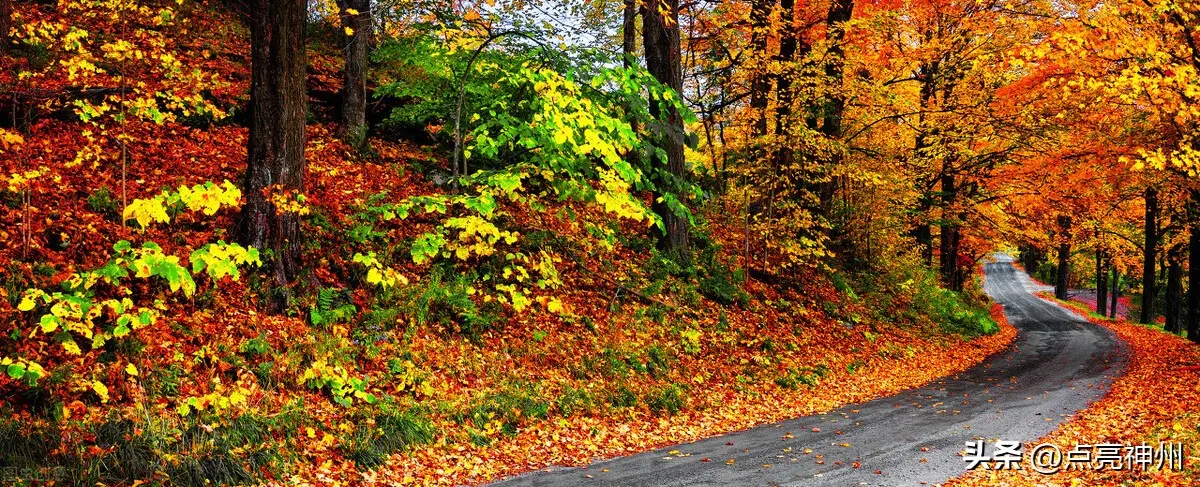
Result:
x=101 y=390
x=26 y=304
x=131 y=370
x=349 y=31
x=71 y=347
x=351 y=11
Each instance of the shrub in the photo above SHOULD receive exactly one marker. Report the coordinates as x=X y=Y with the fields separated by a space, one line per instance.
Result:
x=668 y=400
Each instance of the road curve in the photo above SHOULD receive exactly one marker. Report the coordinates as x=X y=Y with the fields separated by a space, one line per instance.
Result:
x=1057 y=365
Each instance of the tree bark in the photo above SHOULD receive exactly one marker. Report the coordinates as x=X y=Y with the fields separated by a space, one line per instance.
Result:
x=1149 y=252
x=760 y=83
x=1064 y=258
x=840 y=12
x=1101 y=283
x=629 y=33
x=1031 y=258
x=789 y=46
x=1193 y=297
x=1174 y=297
x=660 y=40
x=5 y=23
x=948 y=258
x=354 y=76
x=923 y=233
x=276 y=162
x=1115 y=295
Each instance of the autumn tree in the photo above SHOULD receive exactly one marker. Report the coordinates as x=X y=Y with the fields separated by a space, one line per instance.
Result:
x=275 y=170
x=660 y=31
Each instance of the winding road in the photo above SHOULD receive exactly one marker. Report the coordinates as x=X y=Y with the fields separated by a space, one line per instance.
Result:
x=1057 y=365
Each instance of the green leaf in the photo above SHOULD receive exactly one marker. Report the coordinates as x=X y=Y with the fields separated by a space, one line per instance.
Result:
x=16 y=371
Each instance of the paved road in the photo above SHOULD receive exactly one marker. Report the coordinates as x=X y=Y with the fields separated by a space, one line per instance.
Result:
x=1057 y=365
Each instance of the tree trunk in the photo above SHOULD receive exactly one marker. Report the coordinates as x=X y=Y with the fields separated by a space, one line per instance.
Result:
x=1101 y=283
x=5 y=23
x=1174 y=298
x=1115 y=295
x=276 y=143
x=660 y=40
x=1031 y=258
x=1149 y=252
x=923 y=234
x=1193 y=297
x=840 y=12
x=948 y=258
x=760 y=84
x=789 y=45
x=354 y=79
x=1064 y=258
x=629 y=33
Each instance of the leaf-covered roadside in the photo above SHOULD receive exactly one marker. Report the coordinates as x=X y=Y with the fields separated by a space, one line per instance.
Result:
x=1156 y=400
x=240 y=396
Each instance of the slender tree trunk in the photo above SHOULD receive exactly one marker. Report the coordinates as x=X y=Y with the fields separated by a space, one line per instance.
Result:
x=1174 y=297
x=1031 y=258
x=948 y=258
x=1101 y=283
x=354 y=76
x=760 y=83
x=629 y=33
x=1149 y=252
x=276 y=143
x=660 y=31
x=840 y=12
x=1116 y=292
x=1193 y=297
x=789 y=47
x=923 y=234
x=1062 y=279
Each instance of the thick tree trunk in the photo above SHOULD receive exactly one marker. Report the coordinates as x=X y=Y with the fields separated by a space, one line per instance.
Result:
x=629 y=33
x=1101 y=283
x=1062 y=279
x=276 y=143
x=1149 y=252
x=354 y=79
x=760 y=83
x=1174 y=297
x=660 y=40
x=1116 y=292
x=5 y=23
